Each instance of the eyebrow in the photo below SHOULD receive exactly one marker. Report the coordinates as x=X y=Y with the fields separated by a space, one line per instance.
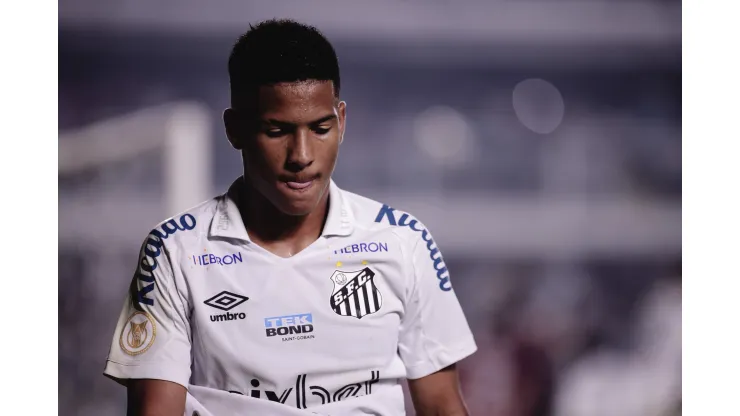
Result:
x=288 y=124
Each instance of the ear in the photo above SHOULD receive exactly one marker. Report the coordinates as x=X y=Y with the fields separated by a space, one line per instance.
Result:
x=234 y=129
x=342 y=110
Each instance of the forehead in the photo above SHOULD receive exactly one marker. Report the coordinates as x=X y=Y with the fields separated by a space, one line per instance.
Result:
x=296 y=101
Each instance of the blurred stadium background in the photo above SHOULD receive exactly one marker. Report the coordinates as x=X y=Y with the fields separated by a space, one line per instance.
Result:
x=539 y=140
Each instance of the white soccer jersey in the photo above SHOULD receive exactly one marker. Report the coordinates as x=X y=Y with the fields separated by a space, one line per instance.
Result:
x=329 y=331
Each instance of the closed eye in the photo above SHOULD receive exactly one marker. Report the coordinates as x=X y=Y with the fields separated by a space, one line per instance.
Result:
x=321 y=130
x=275 y=133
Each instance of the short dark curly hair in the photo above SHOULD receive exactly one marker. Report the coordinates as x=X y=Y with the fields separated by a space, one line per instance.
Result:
x=277 y=51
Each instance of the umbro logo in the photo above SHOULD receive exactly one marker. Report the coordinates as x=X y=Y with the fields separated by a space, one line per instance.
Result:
x=226 y=301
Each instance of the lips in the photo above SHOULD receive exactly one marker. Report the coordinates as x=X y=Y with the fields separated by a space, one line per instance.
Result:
x=299 y=185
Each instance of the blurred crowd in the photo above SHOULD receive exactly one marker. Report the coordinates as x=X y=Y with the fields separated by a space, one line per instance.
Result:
x=572 y=342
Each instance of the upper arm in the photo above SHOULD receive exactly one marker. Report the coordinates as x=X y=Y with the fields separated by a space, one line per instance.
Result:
x=151 y=346
x=438 y=394
x=434 y=333
x=155 y=398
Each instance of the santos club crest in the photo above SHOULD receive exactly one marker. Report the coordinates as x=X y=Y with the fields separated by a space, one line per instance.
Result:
x=355 y=293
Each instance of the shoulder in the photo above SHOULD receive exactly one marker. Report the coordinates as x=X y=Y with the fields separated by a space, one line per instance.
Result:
x=185 y=227
x=415 y=237
x=370 y=214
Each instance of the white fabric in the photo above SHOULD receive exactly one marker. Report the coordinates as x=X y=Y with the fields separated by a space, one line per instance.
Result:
x=328 y=331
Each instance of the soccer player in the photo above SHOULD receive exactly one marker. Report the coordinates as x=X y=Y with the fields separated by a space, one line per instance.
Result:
x=288 y=295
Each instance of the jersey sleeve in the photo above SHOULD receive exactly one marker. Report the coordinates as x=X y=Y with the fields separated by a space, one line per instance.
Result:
x=152 y=336
x=434 y=331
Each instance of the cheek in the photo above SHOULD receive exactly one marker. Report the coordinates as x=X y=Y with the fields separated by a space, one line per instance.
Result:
x=263 y=159
x=330 y=149
x=334 y=156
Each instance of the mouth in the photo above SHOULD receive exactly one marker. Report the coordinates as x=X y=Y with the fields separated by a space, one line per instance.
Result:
x=298 y=185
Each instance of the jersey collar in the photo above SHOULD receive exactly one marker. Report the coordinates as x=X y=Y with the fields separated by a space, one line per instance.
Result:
x=340 y=221
x=227 y=222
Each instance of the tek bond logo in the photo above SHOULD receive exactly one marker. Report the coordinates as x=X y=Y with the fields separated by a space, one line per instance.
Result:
x=290 y=327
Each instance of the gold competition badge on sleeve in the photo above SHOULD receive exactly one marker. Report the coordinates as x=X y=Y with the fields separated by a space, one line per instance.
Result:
x=138 y=334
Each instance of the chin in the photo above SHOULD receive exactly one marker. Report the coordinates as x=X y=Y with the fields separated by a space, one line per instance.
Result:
x=299 y=203
x=296 y=208
x=296 y=205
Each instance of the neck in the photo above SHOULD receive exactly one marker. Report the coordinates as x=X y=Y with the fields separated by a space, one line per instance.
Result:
x=264 y=222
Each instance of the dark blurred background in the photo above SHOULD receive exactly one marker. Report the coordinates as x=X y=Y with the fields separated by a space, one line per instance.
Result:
x=539 y=140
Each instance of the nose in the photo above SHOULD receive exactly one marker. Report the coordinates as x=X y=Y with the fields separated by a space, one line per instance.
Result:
x=300 y=153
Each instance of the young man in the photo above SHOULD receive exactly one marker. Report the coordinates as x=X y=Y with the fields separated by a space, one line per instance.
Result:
x=288 y=295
